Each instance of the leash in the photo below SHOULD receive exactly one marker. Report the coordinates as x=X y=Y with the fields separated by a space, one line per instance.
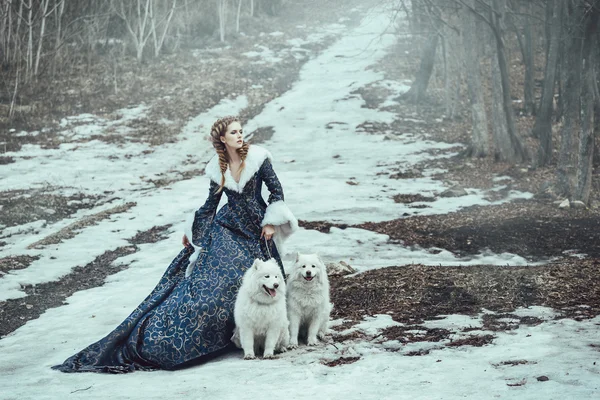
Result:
x=267 y=245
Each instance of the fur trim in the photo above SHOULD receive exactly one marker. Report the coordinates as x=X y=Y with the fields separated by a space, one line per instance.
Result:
x=187 y=229
x=279 y=215
x=254 y=160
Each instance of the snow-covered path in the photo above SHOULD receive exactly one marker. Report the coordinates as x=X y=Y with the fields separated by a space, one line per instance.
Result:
x=329 y=171
x=314 y=165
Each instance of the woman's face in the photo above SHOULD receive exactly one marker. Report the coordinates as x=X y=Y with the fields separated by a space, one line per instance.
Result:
x=233 y=136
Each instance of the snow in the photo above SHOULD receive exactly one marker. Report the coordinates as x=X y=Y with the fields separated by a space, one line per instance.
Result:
x=124 y=175
x=298 y=118
x=314 y=164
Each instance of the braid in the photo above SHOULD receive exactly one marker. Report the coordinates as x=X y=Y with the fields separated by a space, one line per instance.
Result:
x=243 y=152
x=218 y=129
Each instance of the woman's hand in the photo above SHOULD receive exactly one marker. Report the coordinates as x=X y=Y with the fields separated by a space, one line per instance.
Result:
x=185 y=241
x=267 y=232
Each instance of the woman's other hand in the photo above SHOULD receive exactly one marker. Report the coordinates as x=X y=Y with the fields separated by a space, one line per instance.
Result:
x=267 y=232
x=185 y=241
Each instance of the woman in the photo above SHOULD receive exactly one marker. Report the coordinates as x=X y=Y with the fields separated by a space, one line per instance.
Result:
x=189 y=314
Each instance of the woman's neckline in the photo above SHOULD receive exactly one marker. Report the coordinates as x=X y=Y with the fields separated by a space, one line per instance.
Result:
x=231 y=174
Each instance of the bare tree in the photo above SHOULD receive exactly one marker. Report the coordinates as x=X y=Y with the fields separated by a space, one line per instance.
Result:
x=136 y=16
x=528 y=61
x=160 y=22
x=44 y=14
x=59 y=10
x=511 y=147
x=519 y=19
x=29 y=23
x=237 y=19
x=589 y=103
x=480 y=146
x=571 y=99
x=222 y=10
x=416 y=93
x=542 y=128
x=6 y=22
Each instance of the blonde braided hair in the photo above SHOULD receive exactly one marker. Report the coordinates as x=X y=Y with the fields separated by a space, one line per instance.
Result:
x=218 y=129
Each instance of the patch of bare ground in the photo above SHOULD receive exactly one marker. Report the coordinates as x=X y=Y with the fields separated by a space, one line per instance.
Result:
x=16 y=312
x=152 y=235
x=12 y=263
x=71 y=230
x=21 y=207
x=415 y=293
x=412 y=198
x=321 y=226
x=341 y=361
x=164 y=179
x=533 y=229
x=514 y=363
x=415 y=333
x=472 y=340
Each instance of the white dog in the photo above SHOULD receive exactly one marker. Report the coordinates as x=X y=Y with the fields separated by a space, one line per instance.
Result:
x=308 y=299
x=260 y=311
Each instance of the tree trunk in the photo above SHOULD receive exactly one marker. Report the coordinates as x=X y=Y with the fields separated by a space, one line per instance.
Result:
x=480 y=145
x=416 y=93
x=59 y=11
x=44 y=14
x=237 y=19
x=542 y=128
x=30 y=41
x=525 y=41
x=503 y=147
x=529 y=64
x=588 y=99
x=416 y=22
x=516 y=152
x=222 y=4
x=571 y=103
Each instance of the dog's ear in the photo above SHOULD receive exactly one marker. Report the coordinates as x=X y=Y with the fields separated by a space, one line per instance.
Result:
x=256 y=264
x=297 y=256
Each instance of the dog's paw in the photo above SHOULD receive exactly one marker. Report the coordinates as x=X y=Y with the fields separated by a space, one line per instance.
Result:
x=321 y=335
x=282 y=349
x=249 y=357
x=269 y=356
x=312 y=341
x=293 y=346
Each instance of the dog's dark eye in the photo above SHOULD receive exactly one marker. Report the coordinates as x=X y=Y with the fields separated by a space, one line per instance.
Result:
x=313 y=266
x=267 y=276
x=304 y=266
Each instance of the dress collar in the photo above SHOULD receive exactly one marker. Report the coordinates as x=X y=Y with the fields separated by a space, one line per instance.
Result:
x=254 y=160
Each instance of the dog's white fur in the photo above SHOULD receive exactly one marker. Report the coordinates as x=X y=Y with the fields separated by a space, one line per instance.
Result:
x=260 y=317
x=308 y=299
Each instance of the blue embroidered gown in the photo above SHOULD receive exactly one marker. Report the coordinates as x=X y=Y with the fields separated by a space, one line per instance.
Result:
x=189 y=314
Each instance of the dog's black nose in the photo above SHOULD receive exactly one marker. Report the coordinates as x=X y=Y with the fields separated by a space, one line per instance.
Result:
x=308 y=273
x=276 y=285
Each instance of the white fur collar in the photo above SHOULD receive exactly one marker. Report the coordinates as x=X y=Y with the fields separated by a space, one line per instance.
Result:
x=254 y=160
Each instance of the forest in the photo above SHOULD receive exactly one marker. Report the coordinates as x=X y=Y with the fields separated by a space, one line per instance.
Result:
x=441 y=158
x=557 y=82
x=543 y=112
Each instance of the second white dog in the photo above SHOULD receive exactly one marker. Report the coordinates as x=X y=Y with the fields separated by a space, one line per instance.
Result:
x=308 y=299
x=260 y=311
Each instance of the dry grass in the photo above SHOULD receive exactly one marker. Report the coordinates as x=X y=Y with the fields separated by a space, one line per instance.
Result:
x=70 y=230
x=414 y=293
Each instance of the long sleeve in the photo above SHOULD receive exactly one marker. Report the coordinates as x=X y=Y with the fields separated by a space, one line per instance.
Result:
x=277 y=214
x=198 y=228
x=203 y=217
